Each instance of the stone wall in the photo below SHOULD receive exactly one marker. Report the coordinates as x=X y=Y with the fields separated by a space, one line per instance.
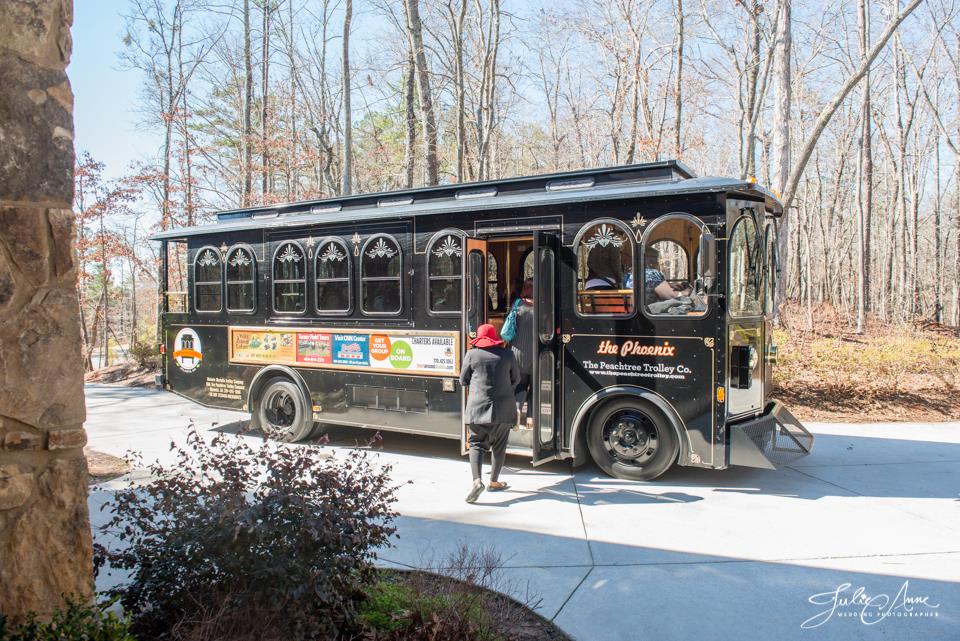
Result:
x=45 y=546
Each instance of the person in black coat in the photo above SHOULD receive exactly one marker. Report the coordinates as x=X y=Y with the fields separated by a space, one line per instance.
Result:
x=490 y=373
x=523 y=346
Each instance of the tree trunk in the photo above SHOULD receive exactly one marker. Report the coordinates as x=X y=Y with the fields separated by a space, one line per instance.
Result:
x=864 y=184
x=168 y=120
x=292 y=161
x=415 y=37
x=753 y=75
x=265 y=186
x=937 y=241
x=956 y=265
x=347 y=178
x=247 y=108
x=457 y=21
x=185 y=135
x=409 y=96
x=782 y=102
x=678 y=86
x=133 y=304
x=105 y=278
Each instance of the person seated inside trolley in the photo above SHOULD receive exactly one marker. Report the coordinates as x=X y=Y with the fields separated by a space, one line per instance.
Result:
x=604 y=271
x=656 y=286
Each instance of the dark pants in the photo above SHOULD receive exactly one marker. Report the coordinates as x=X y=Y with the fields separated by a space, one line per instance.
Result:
x=524 y=393
x=490 y=437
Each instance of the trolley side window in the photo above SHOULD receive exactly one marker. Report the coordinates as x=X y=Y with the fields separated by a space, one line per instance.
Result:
x=208 y=280
x=604 y=270
x=745 y=266
x=332 y=267
x=241 y=280
x=289 y=279
x=445 y=269
x=381 y=266
x=671 y=271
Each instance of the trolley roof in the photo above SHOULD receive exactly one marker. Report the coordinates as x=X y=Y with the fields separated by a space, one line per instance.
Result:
x=668 y=177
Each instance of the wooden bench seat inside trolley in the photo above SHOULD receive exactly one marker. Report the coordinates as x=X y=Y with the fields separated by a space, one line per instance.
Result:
x=606 y=301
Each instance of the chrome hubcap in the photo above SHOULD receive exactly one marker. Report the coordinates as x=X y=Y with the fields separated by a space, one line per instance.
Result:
x=630 y=437
x=281 y=410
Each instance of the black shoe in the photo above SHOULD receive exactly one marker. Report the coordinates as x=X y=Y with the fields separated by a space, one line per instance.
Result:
x=475 y=492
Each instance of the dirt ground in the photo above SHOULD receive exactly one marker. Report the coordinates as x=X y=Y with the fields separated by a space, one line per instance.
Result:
x=127 y=374
x=889 y=373
x=104 y=467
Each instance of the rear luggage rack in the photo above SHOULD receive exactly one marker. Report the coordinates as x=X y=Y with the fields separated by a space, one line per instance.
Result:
x=771 y=441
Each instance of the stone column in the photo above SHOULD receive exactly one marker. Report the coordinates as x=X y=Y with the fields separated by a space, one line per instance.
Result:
x=45 y=545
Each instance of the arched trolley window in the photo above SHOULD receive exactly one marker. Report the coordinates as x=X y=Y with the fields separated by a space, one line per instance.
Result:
x=671 y=269
x=445 y=272
x=241 y=279
x=208 y=280
x=332 y=270
x=604 y=269
x=381 y=269
x=289 y=279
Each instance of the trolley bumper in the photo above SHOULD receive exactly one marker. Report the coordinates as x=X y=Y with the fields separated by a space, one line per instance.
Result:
x=769 y=441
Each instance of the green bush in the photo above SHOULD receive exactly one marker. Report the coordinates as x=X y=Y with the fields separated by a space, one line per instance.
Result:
x=76 y=622
x=401 y=608
x=236 y=541
x=146 y=354
x=464 y=603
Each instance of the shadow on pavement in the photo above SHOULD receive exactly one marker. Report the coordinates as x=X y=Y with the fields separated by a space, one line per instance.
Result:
x=800 y=481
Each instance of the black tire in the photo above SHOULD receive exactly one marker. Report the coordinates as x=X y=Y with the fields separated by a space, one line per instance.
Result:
x=632 y=440
x=284 y=412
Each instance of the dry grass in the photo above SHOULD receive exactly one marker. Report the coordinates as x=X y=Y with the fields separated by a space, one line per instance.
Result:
x=889 y=373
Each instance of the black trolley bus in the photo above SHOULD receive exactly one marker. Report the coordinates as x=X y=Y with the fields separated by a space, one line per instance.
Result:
x=653 y=299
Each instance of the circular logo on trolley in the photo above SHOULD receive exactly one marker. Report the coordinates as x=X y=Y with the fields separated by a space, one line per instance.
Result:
x=379 y=347
x=401 y=354
x=187 y=352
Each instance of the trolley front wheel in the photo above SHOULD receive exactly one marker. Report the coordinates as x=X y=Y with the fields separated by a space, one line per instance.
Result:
x=631 y=440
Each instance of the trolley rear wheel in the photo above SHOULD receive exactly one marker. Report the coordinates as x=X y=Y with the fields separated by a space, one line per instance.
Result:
x=283 y=411
x=631 y=440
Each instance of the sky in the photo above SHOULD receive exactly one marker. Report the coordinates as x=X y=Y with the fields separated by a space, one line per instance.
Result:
x=105 y=96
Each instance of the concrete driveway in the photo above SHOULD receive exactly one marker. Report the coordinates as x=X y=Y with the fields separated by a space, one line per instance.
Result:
x=734 y=554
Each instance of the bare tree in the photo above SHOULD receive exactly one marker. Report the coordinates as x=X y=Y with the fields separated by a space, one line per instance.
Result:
x=265 y=185
x=678 y=85
x=154 y=43
x=865 y=183
x=347 y=185
x=831 y=107
x=247 y=109
x=415 y=36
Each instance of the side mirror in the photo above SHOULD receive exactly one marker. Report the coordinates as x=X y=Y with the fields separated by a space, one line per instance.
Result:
x=708 y=261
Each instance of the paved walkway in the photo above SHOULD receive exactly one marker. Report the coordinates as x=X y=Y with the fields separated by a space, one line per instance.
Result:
x=699 y=554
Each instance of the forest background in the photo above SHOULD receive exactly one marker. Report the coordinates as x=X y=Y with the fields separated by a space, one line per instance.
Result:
x=848 y=110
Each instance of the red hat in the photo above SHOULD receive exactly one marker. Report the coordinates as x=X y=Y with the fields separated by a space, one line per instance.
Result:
x=487 y=336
